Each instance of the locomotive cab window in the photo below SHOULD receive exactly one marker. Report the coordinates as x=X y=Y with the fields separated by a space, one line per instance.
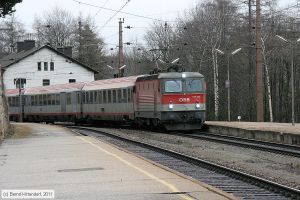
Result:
x=173 y=86
x=194 y=85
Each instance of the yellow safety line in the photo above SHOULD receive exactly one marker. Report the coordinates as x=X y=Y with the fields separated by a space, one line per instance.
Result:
x=169 y=185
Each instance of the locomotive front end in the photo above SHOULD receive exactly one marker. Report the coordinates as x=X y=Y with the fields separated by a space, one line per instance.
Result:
x=183 y=100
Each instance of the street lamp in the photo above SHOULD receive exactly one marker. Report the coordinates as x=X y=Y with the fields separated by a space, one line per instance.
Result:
x=228 y=76
x=117 y=73
x=292 y=43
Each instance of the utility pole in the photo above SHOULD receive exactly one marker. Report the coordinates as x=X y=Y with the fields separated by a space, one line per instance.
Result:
x=259 y=69
x=121 y=54
x=251 y=103
x=79 y=39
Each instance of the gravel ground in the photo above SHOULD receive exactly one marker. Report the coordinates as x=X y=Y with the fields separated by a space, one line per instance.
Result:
x=278 y=168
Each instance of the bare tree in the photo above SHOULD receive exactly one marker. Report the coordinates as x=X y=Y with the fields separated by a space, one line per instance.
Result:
x=11 y=31
x=55 y=27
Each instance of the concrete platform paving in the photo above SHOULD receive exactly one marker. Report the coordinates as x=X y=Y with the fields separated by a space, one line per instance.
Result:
x=267 y=131
x=79 y=167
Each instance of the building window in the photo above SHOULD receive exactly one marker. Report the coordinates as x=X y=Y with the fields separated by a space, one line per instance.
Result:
x=39 y=64
x=20 y=82
x=45 y=66
x=51 y=66
x=72 y=80
x=46 y=82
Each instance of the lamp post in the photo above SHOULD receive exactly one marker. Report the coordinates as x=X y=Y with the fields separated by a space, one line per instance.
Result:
x=228 y=76
x=292 y=43
x=118 y=73
x=20 y=87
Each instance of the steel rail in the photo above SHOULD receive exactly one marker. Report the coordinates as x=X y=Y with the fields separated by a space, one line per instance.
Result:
x=277 y=148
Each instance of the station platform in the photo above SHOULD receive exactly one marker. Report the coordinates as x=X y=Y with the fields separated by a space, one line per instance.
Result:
x=49 y=157
x=284 y=133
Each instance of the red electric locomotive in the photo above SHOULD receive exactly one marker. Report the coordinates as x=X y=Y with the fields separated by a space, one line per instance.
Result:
x=175 y=100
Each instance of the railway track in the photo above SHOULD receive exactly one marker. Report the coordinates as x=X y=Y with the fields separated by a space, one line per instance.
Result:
x=277 y=148
x=232 y=181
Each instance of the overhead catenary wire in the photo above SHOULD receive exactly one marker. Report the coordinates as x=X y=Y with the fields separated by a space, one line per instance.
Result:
x=101 y=8
x=127 y=13
x=114 y=15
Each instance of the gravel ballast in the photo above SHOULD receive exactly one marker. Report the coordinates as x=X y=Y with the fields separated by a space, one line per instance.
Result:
x=278 y=168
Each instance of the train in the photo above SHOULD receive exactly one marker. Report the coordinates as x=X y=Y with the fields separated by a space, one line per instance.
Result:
x=173 y=100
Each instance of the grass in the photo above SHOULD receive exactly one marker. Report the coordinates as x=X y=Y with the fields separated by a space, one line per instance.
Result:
x=19 y=131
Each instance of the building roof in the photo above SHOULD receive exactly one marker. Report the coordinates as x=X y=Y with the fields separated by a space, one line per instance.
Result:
x=13 y=58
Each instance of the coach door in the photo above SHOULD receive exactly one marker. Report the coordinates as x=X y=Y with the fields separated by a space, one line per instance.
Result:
x=63 y=102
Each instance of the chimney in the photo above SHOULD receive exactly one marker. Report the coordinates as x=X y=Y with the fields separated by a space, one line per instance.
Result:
x=20 y=46
x=25 y=46
x=65 y=50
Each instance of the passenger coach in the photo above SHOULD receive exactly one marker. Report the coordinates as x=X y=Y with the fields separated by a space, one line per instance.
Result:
x=174 y=100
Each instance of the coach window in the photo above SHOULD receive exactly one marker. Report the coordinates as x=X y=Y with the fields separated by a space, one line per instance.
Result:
x=68 y=98
x=109 y=96
x=104 y=96
x=44 y=99
x=124 y=96
x=87 y=97
x=96 y=97
x=83 y=97
x=119 y=94
x=40 y=98
x=114 y=96
x=53 y=99
x=91 y=97
x=78 y=98
x=100 y=97
x=34 y=100
x=49 y=99
x=128 y=97
x=57 y=97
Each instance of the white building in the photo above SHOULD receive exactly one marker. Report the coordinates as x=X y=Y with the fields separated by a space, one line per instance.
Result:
x=42 y=66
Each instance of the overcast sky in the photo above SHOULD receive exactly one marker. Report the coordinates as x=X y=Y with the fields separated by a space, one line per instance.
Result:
x=166 y=10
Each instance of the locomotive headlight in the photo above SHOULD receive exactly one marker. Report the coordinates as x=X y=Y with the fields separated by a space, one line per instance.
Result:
x=171 y=106
x=197 y=105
